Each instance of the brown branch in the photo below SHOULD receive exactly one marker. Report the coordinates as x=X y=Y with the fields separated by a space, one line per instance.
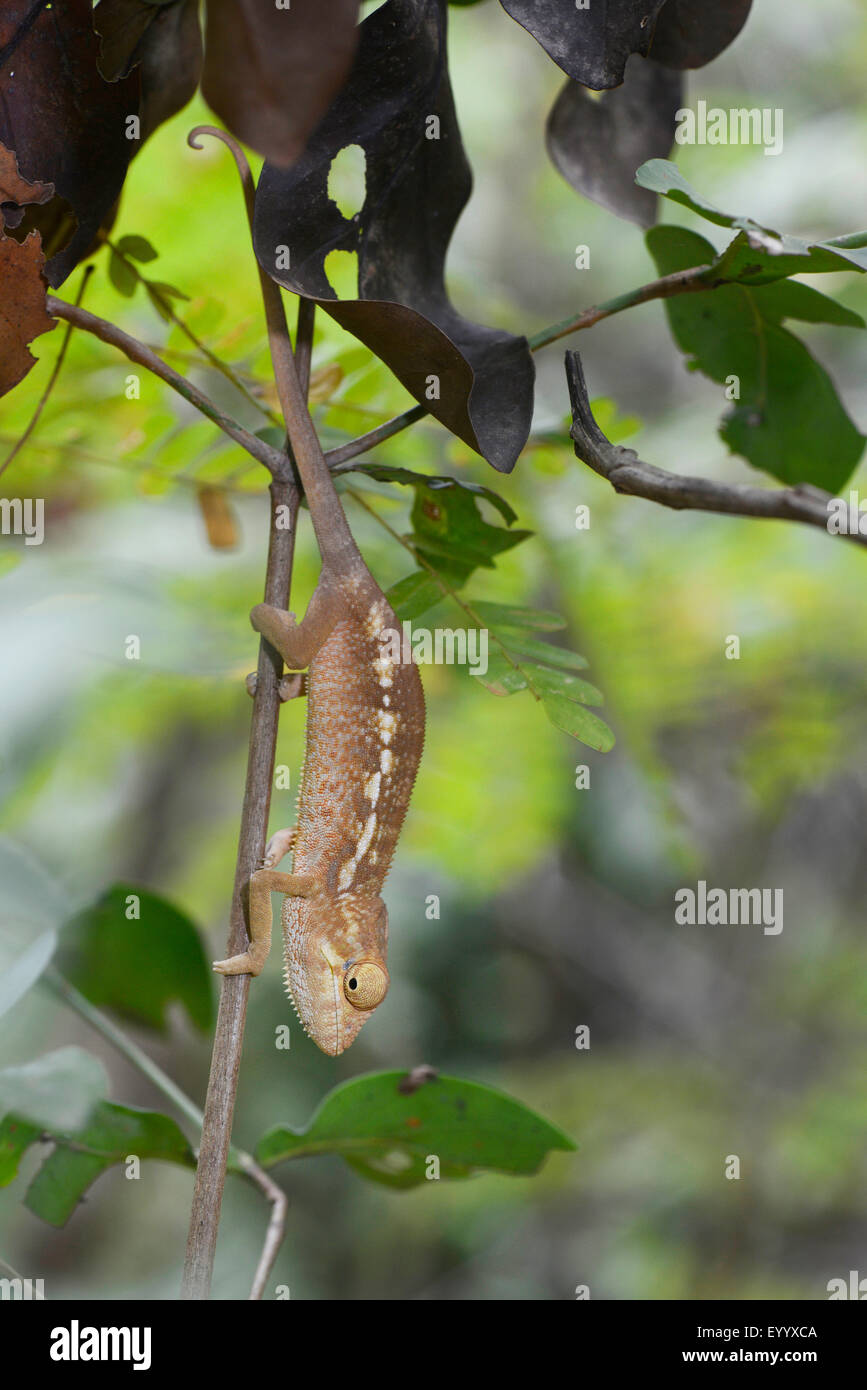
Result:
x=276 y=1226
x=304 y=342
x=229 y=1033
x=374 y=437
x=697 y=278
x=137 y=352
x=52 y=380
x=627 y=473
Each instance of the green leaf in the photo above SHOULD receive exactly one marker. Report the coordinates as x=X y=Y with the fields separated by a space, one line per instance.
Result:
x=113 y=1133
x=508 y=615
x=757 y=251
x=16 y=1136
x=158 y=292
x=789 y=299
x=414 y=595
x=435 y=483
x=57 y=1091
x=137 y=248
x=502 y=676
x=138 y=965
x=388 y=1136
x=788 y=420
x=122 y=276
x=546 y=682
x=577 y=721
x=521 y=646
x=448 y=530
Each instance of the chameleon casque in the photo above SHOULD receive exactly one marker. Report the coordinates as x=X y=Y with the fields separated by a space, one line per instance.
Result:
x=365 y=731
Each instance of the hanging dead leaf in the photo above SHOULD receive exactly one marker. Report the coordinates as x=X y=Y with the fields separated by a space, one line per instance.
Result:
x=270 y=74
x=397 y=106
x=597 y=144
x=66 y=124
x=590 y=44
x=690 y=33
x=218 y=514
x=161 y=37
x=23 y=315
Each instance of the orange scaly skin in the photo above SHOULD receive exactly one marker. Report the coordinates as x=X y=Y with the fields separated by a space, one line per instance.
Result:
x=365 y=731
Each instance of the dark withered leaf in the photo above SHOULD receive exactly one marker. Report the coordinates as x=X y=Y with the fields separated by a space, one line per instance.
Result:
x=163 y=37
x=597 y=144
x=397 y=105
x=66 y=124
x=23 y=315
x=690 y=33
x=591 y=45
x=270 y=74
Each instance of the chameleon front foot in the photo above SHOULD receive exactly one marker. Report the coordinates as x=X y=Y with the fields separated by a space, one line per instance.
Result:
x=245 y=964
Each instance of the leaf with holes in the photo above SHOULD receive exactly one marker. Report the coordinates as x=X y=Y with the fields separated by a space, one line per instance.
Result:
x=397 y=106
x=388 y=1136
x=591 y=44
x=135 y=953
x=788 y=419
x=597 y=144
x=66 y=124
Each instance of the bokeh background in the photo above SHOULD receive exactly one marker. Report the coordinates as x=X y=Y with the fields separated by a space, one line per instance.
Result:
x=557 y=903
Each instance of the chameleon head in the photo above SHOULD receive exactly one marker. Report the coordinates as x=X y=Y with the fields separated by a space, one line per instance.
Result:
x=345 y=974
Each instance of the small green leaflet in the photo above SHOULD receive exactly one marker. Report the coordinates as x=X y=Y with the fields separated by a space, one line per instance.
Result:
x=757 y=254
x=788 y=419
x=448 y=530
x=388 y=1136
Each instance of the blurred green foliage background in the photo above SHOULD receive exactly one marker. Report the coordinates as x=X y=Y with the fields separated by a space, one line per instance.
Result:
x=557 y=904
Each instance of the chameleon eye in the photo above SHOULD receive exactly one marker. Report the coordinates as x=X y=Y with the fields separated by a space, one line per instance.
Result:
x=365 y=985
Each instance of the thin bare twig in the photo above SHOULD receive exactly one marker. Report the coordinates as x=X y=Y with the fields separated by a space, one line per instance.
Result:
x=276 y=1226
x=304 y=342
x=266 y=454
x=697 y=279
x=50 y=384
x=627 y=473
x=374 y=437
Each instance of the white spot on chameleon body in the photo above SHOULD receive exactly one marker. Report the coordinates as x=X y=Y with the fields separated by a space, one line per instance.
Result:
x=366 y=837
x=386 y=721
x=386 y=760
x=371 y=789
x=347 y=874
x=375 y=619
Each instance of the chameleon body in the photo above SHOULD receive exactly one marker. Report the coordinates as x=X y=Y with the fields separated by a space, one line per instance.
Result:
x=365 y=731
